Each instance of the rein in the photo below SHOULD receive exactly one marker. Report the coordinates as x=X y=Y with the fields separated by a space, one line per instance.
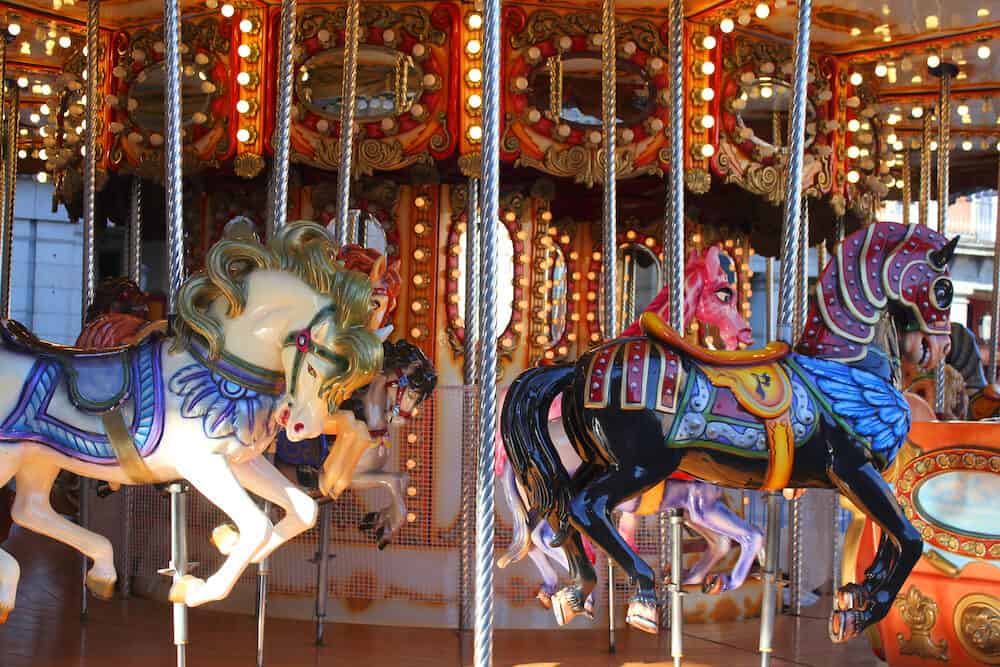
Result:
x=239 y=371
x=402 y=384
x=304 y=344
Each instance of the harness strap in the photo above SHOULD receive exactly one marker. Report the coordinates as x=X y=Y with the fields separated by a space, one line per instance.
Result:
x=124 y=448
x=780 y=452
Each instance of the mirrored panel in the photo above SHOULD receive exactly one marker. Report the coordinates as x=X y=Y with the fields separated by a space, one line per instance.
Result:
x=763 y=106
x=505 y=277
x=388 y=83
x=581 y=90
x=962 y=501
x=373 y=234
x=638 y=281
x=146 y=97
x=556 y=289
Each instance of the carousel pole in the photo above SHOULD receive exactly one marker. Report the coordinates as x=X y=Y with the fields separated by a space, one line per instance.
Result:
x=470 y=367
x=489 y=212
x=907 y=194
x=795 y=546
x=923 y=211
x=348 y=103
x=175 y=250
x=89 y=195
x=674 y=250
x=995 y=310
x=135 y=232
x=945 y=71
x=609 y=220
x=9 y=168
x=790 y=243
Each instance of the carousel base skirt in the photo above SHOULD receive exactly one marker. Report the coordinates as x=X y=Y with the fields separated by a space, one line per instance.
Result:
x=45 y=630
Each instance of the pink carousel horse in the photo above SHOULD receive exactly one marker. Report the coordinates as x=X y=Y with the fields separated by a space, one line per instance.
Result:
x=709 y=297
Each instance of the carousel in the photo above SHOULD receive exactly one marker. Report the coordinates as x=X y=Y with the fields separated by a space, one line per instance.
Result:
x=518 y=334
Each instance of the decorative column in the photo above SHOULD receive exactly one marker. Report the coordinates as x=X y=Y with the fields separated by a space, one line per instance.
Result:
x=995 y=317
x=278 y=213
x=925 y=170
x=135 y=232
x=347 y=108
x=907 y=194
x=945 y=71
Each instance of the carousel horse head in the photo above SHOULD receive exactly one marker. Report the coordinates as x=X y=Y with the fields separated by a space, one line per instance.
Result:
x=386 y=284
x=925 y=291
x=118 y=295
x=292 y=288
x=411 y=379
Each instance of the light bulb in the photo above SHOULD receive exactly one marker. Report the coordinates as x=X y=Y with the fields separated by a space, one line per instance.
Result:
x=475 y=21
x=228 y=10
x=708 y=42
x=65 y=41
x=473 y=47
x=853 y=152
x=707 y=94
x=917 y=112
x=707 y=150
x=856 y=79
x=243 y=50
x=962 y=109
x=726 y=25
x=22 y=82
x=881 y=70
x=14 y=29
x=708 y=68
x=933 y=60
x=983 y=52
x=853 y=125
x=34 y=118
x=243 y=106
x=853 y=176
x=475 y=101
x=708 y=121
x=966 y=145
x=44 y=109
x=243 y=135
x=243 y=78
x=475 y=75
x=762 y=10
x=475 y=133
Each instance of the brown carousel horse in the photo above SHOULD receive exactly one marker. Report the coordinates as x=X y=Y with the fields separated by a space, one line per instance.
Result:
x=826 y=415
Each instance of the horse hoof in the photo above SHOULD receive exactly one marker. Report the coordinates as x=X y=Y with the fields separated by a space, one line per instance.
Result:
x=845 y=625
x=102 y=589
x=225 y=537
x=544 y=598
x=566 y=605
x=588 y=607
x=713 y=584
x=852 y=597
x=643 y=616
x=368 y=521
x=182 y=590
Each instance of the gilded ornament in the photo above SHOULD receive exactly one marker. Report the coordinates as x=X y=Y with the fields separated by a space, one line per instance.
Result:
x=977 y=626
x=470 y=164
x=697 y=180
x=919 y=613
x=248 y=165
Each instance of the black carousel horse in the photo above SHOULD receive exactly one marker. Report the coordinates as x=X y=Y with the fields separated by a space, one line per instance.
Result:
x=826 y=415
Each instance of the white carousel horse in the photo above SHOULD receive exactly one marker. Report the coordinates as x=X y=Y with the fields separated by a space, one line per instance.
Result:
x=200 y=407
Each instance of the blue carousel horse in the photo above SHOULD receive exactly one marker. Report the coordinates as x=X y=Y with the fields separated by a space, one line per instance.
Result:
x=826 y=415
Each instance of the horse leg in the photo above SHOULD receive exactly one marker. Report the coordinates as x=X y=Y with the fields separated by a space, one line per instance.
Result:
x=10 y=572
x=259 y=476
x=32 y=510
x=861 y=605
x=718 y=523
x=386 y=521
x=571 y=601
x=212 y=475
x=539 y=555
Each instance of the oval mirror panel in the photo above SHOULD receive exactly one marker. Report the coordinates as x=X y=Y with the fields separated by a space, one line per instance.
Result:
x=388 y=83
x=581 y=91
x=505 y=278
x=146 y=100
x=763 y=106
x=556 y=287
x=961 y=501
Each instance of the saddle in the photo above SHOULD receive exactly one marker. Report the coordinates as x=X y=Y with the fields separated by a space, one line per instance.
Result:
x=654 y=327
x=98 y=381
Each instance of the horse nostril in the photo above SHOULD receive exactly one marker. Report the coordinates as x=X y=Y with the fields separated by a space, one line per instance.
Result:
x=299 y=426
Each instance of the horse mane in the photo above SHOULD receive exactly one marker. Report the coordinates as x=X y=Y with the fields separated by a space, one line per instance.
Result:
x=303 y=249
x=659 y=301
x=402 y=354
x=964 y=357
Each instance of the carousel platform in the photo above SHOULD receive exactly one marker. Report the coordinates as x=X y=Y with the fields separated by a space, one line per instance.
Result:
x=45 y=631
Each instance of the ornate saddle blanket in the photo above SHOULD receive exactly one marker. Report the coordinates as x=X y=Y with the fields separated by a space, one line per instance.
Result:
x=129 y=378
x=650 y=371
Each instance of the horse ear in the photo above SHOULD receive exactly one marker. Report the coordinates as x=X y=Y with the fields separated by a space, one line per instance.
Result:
x=941 y=258
x=378 y=269
x=712 y=266
x=321 y=330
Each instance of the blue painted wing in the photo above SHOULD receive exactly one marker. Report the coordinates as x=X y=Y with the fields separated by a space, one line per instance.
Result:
x=872 y=407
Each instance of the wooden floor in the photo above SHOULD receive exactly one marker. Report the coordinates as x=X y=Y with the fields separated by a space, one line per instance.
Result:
x=45 y=631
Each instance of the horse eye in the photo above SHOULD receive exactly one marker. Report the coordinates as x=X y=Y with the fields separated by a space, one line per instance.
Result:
x=724 y=294
x=311 y=370
x=943 y=293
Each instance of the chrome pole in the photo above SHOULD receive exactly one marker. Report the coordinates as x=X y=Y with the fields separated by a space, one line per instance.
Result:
x=490 y=214
x=769 y=598
x=770 y=325
x=907 y=193
x=283 y=120
x=925 y=171
x=802 y=269
x=945 y=71
x=11 y=122
x=995 y=321
x=323 y=569
x=263 y=572
x=676 y=517
x=348 y=103
x=612 y=642
x=179 y=562
x=470 y=365
x=838 y=546
x=175 y=252
x=135 y=233
x=795 y=546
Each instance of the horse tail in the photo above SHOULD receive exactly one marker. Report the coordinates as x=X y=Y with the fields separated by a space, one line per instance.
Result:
x=520 y=543
x=532 y=454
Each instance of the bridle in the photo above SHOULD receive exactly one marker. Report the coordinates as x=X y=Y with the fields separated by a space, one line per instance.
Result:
x=402 y=385
x=304 y=345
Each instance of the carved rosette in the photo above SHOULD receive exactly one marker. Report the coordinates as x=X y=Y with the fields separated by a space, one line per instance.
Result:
x=977 y=626
x=206 y=136
x=419 y=135
x=539 y=138
x=743 y=159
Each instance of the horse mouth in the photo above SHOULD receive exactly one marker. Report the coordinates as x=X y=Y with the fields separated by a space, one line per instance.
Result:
x=925 y=353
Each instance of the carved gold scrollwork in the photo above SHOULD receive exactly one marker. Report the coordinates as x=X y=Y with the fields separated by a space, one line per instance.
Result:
x=977 y=626
x=248 y=165
x=920 y=612
x=586 y=165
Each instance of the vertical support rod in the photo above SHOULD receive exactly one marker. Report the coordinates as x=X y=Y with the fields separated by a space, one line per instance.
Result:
x=490 y=214
x=795 y=546
x=995 y=320
x=278 y=214
x=609 y=219
x=348 y=104
x=838 y=546
x=174 y=185
x=802 y=271
x=796 y=135
x=943 y=190
x=674 y=244
x=769 y=599
x=179 y=564
x=11 y=122
x=907 y=193
x=923 y=210
x=470 y=365
x=676 y=517
x=770 y=325
x=263 y=572
x=135 y=233
x=322 y=570
x=612 y=642
x=795 y=556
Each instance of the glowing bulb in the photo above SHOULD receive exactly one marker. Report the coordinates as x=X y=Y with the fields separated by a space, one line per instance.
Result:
x=14 y=29
x=44 y=109
x=727 y=25
x=34 y=118
x=966 y=145
x=881 y=70
x=707 y=150
x=933 y=60
x=65 y=41
x=853 y=176
x=243 y=106
x=853 y=125
x=228 y=10
x=473 y=47
x=22 y=154
x=708 y=42
x=474 y=21
x=708 y=121
x=475 y=75
x=766 y=92
x=475 y=133
x=707 y=94
x=853 y=152
x=708 y=68
x=243 y=135
x=856 y=79
x=934 y=146
x=22 y=82
x=932 y=23
x=475 y=101
x=243 y=78
x=762 y=10
x=983 y=52
x=243 y=50
x=917 y=112
x=962 y=109
x=246 y=25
